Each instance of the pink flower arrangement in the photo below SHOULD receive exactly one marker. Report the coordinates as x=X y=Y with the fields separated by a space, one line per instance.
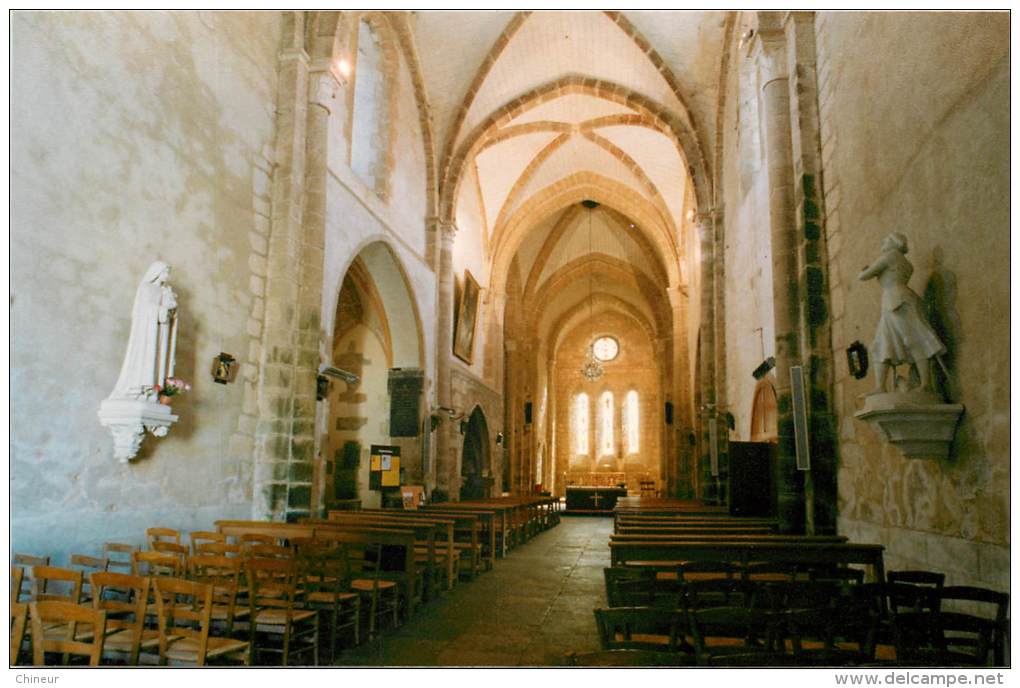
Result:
x=172 y=387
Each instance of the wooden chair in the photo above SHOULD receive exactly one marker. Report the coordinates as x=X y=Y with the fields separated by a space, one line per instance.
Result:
x=17 y=580
x=928 y=579
x=273 y=612
x=921 y=639
x=218 y=549
x=641 y=628
x=87 y=565
x=265 y=551
x=248 y=539
x=878 y=604
x=167 y=547
x=124 y=598
x=19 y=622
x=53 y=583
x=966 y=614
x=380 y=597
x=153 y=535
x=224 y=575
x=325 y=583
x=55 y=627
x=198 y=537
x=118 y=556
x=629 y=586
x=185 y=619
x=27 y=561
x=157 y=564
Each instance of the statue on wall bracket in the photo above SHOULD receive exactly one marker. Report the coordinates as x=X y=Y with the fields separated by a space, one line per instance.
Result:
x=134 y=406
x=907 y=410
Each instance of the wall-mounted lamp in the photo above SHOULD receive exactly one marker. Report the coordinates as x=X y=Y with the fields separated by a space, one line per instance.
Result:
x=463 y=427
x=338 y=373
x=224 y=368
x=857 y=359
x=321 y=387
x=499 y=439
x=451 y=413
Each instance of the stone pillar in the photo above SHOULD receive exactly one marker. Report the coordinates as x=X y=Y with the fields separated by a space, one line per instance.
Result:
x=683 y=470
x=274 y=427
x=709 y=486
x=446 y=444
x=770 y=54
x=814 y=325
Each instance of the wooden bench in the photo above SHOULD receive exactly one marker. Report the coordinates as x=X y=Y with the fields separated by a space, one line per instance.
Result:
x=466 y=529
x=400 y=541
x=487 y=524
x=644 y=552
x=438 y=534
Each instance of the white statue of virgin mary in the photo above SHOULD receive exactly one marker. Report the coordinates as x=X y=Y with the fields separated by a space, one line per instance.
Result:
x=149 y=360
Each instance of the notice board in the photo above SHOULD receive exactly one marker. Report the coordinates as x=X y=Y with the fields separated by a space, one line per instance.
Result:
x=384 y=467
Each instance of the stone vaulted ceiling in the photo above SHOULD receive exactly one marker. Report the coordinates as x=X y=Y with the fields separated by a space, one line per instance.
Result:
x=617 y=106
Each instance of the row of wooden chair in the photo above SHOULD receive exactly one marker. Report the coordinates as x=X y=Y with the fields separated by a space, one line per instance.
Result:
x=322 y=580
x=913 y=615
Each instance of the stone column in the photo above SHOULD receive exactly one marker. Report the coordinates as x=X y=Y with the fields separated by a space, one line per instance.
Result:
x=446 y=449
x=815 y=337
x=323 y=86
x=274 y=430
x=706 y=238
x=683 y=424
x=770 y=54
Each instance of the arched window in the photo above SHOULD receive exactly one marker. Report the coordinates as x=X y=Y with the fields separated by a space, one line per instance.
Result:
x=633 y=420
x=370 y=129
x=581 y=424
x=607 y=442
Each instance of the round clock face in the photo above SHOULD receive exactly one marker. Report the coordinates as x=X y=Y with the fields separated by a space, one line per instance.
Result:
x=606 y=348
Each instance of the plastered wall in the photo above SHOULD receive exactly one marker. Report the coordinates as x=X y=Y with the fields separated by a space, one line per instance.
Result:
x=141 y=136
x=915 y=139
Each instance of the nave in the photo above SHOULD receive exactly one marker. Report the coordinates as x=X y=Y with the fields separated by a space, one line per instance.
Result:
x=532 y=609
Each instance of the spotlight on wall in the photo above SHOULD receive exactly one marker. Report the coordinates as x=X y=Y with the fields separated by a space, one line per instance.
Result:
x=499 y=439
x=344 y=67
x=690 y=215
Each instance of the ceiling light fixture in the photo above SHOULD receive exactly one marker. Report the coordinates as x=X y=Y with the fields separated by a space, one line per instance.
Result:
x=592 y=368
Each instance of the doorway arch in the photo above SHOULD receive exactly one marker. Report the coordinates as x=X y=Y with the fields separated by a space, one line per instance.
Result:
x=475 y=462
x=375 y=328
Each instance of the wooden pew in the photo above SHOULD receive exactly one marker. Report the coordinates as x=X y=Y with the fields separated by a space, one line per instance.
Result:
x=688 y=531
x=401 y=540
x=435 y=530
x=466 y=529
x=502 y=522
x=673 y=552
x=487 y=523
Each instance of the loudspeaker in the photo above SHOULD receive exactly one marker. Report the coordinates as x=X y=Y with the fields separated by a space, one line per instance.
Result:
x=800 y=424
x=527 y=413
x=669 y=413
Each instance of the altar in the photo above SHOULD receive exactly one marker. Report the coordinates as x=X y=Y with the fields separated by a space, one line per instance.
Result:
x=585 y=499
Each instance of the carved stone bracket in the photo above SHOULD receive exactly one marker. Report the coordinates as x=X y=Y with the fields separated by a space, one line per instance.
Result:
x=129 y=420
x=920 y=426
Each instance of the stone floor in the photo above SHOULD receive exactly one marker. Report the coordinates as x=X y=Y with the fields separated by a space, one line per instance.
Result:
x=530 y=610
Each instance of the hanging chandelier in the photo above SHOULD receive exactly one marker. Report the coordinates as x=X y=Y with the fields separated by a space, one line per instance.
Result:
x=592 y=368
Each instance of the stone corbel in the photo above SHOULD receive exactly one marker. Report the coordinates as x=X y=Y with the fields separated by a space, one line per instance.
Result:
x=129 y=420
x=917 y=423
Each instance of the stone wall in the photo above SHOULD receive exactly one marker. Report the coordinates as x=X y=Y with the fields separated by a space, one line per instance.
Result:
x=141 y=135
x=915 y=138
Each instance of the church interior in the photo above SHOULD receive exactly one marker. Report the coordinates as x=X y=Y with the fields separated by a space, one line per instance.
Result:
x=510 y=338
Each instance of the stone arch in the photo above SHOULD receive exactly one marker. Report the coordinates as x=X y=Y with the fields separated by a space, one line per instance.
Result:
x=396 y=295
x=476 y=463
x=572 y=190
x=764 y=412
x=679 y=130
x=601 y=303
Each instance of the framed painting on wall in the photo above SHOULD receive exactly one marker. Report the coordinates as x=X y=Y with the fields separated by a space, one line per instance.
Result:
x=467 y=315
